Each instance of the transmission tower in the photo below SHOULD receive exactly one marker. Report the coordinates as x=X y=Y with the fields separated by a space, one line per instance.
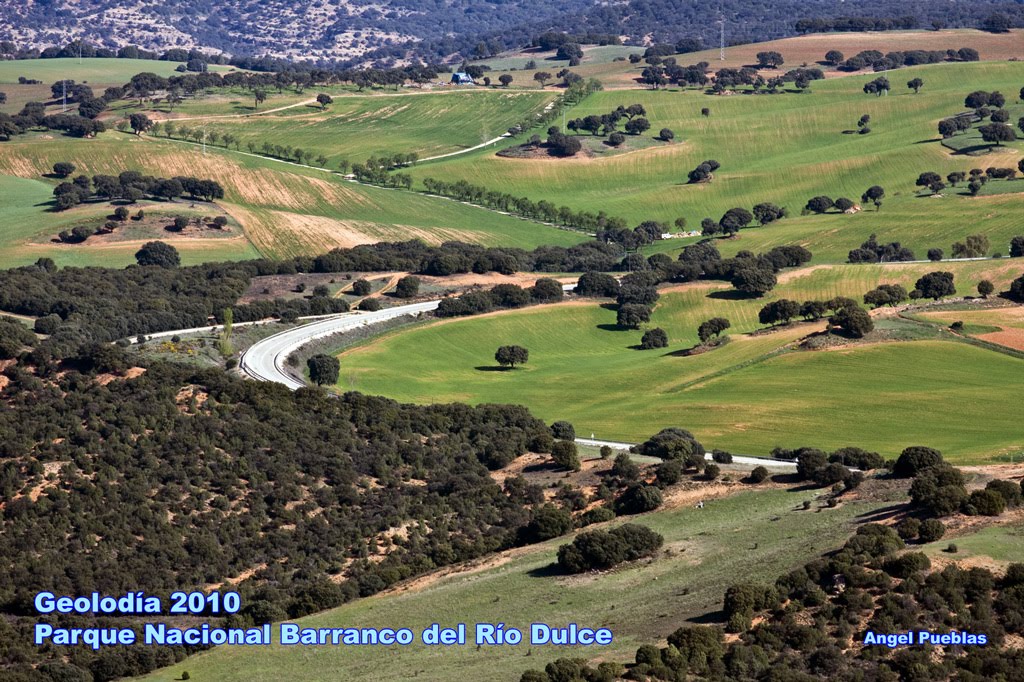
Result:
x=721 y=38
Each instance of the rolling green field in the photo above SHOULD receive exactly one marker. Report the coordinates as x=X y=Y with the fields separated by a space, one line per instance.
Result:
x=1003 y=543
x=285 y=210
x=784 y=149
x=355 y=127
x=89 y=70
x=28 y=227
x=746 y=396
x=749 y=536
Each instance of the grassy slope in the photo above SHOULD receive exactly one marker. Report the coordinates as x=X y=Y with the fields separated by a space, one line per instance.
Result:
x=809 y=50
x=356 y=127
x=285 y=210
x=784 y=149
x=750 y=536
x=92 y=71
x=1002 y=543
x=948 y=395
x=28 y=226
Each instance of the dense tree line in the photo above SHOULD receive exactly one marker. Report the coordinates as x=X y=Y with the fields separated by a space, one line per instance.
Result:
x=500 y=297
x=131 y=186
x=871 y=251
x=876 y=61
x=750 y=273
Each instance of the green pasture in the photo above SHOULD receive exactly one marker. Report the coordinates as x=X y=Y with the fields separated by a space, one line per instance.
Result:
x=28 y=226
x=93 y=70
x=747 y=396
x=356 y=127
x=749 y=536
x=592 y=55
x=784 y=149
x=1003 y=543
x=285 y=210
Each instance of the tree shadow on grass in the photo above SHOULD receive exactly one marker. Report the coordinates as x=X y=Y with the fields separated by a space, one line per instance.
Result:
x=711 y=618
x=730 y=295
x=974 y=150
x=883 y=513
x=610 y=306
x=546 y=571
x=492 y=368
x=613 y=328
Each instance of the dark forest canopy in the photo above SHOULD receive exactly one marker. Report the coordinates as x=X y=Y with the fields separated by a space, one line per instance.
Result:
x=438 y=31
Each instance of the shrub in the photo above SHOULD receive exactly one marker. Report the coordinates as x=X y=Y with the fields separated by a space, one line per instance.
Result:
x=914 y=459
x=931 y=530
x=638 y=499
x=721 y=457
x=908 y=528
x=711 y=471
x=758 y=475
x=598 y=549
x=563 y=453
x=563 y=430
x=1008 y=490
x=407 y=287
x=986 y=503
x=548 y=522
x=654 y=338
x=669 y=473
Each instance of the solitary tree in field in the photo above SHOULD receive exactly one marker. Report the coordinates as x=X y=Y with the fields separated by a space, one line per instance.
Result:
x=323 y=369
x=63 y=169
x=260 y=96
x=833 y=57
x=705 y=112
x=985 y=288
x=323 y=100
x=505 y=79
x=935 y=285
x=915 y=85
x=770 y=59
x=158 y=253
x=542 y=77
x=712 y=328
x=654 y=338
x=874 y=194
x=510 y=356
x=140 y=123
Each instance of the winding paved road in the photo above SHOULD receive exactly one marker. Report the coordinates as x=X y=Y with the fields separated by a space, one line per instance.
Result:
x=265 y=359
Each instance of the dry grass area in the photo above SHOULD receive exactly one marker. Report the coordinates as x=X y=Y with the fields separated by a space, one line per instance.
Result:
x=811 y=49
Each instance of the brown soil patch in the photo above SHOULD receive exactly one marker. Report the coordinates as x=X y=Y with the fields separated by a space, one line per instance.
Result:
x=287 y=233
x=130 y=373
x=1011 y=338
x=962 y=524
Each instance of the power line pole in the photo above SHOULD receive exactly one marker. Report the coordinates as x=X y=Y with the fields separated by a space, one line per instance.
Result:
x=721 y=38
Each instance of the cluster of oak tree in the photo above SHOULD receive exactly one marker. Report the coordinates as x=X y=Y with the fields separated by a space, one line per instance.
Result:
x=129 y=186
